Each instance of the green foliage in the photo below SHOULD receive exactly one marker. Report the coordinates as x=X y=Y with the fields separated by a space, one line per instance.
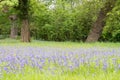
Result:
x=4 y=25
x=62 y=20
x=63 y=24
x=112 y=28
x=23 y=8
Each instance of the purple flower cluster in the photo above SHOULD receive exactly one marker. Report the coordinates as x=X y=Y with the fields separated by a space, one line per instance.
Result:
x=16 y=58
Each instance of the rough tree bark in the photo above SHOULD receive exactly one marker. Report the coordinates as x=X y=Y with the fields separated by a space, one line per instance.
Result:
x=98 y=26
x=24 y=15
x=14 y=29
x=25 y=31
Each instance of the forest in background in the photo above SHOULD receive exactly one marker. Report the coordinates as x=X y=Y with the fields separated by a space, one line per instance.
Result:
x=60 y=20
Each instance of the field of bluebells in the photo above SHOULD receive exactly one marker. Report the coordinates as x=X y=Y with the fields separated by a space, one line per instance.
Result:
x=21 y=62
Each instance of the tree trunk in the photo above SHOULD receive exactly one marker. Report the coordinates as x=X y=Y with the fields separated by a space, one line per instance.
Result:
x=24 y=16
x=25 y=31
x=14 y=29
x=98 y=26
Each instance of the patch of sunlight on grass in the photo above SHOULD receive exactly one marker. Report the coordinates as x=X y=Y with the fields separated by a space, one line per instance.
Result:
x=12 y=42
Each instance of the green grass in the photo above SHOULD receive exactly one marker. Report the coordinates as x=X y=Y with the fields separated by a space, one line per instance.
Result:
x=6 y=42
x=61 y=77
x=33 y=74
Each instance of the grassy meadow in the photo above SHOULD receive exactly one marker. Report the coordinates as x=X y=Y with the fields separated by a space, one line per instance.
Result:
x=47 y=60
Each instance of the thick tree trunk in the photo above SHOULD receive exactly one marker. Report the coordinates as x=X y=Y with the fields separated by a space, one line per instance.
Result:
x=25 y=31
x=98 y=26
x=24 y=16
